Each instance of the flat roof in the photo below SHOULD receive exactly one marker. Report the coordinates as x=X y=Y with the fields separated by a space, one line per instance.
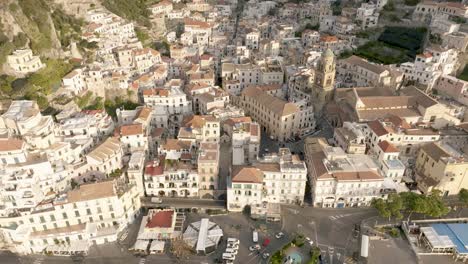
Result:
x=457 y=233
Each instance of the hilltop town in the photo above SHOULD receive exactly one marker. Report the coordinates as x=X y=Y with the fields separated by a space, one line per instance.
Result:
x=233 y=131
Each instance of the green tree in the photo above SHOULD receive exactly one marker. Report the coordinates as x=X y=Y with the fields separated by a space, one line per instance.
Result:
x=20 y=40
x=414 y=203
x=463 y=198
x=381 y=207
x=390 y=6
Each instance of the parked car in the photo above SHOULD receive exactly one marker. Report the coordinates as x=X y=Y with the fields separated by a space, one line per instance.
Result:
x=266 y=255
x=156 y=200
x=231 y=250
x=279 y=235
x=254 y=247
x=233 y=246
x=311 y=243
x=255 y=236
x=229 y=256
x=266 y=242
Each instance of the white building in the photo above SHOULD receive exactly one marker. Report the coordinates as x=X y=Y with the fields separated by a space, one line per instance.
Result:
x=23 y=61
x=23 y=118
x=278 y=178
x=245 y=142
x=198 y=128
x=171 y=178
x=93 y=213
x=75 y=81
x=339 y=179
x=107 y=157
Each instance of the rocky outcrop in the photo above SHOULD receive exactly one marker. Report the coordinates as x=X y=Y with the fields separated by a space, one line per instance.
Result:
x=78 y=8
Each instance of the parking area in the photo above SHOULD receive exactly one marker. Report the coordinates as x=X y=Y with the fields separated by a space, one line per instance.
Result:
x=329 y=229
x=396 y=250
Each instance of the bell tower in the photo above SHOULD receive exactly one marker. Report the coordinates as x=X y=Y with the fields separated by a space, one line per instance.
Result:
x=324 y=84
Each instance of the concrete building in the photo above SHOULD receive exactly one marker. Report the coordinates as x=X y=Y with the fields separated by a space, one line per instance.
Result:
x=339 y=179
x=171 y=178
x=350 y=138
x=358 y=72
x=453 y=88
x=208 y=166
x=443 y=167
x=198 y=128
x=280 y=119
x=24 y=62
x=277 y=178
x=245 y=142
x=91 y=214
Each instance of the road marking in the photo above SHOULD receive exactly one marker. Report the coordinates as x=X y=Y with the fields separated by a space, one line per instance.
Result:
x=142 y=261
x=38 y=261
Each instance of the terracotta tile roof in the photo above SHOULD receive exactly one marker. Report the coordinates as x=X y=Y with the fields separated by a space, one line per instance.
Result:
x=425 y=55
x=378 y=128
x=366 y=115
x=130 y=130
x=421 y=132
x=145 y=51
x=91 y=191
x=155 y=167
x=328 y=38
x=176 y=144
x=161 y=219
x=243 y=174
x=272 y=103
x=387 y=147
x=398 y=121
x=195 y=23
x=387 y=101
x=11 y=144
x=237 y=120
x=254 y=130
x=158 y=132
x=420 y=97
x=363 y=63
x=357 y=176
x=274 y=167
x=435 y=151
x=197 y=121
x=144 y=113
x=157 y=91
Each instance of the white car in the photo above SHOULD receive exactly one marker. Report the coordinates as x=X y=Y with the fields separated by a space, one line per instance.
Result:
x=266 y=255
x=233 y=246
x=156 y=200
x=229 y=256
x=254 y=247
x=231 y=251
x=279 y=235
x=311 y=243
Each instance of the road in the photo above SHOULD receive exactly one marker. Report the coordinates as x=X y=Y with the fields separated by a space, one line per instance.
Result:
x=185 y=203
x=328 y=228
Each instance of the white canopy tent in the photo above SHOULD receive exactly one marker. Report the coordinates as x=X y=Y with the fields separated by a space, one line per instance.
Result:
x=203 y=236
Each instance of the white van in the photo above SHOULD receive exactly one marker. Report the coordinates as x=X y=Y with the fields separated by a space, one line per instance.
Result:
x=255 y=236
x=229 y=256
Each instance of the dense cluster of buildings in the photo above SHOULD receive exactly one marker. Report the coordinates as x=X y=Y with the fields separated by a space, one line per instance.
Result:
x=226 y=83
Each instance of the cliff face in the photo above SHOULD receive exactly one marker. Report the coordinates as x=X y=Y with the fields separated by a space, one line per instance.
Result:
x=40 y=24
x=78 y=8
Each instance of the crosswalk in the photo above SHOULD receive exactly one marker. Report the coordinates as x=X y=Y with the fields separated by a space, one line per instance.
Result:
x=349 y=260
x=335 y=217
x=38 y=261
